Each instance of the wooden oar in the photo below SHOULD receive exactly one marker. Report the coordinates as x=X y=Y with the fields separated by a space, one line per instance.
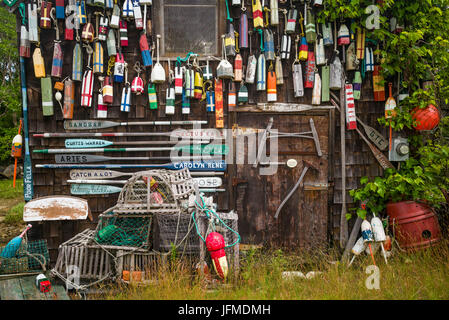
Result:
x=102 y=124
x=208 y=182
x=27 y=168
x=179 y=133
x=206 y=165
x=91 y=189
x=87 y=158
x=89 y=174
x=213 y=149
x=374 y=135
x=97 y=143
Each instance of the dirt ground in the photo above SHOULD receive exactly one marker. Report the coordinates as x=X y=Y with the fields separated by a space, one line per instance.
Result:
x=8 y=230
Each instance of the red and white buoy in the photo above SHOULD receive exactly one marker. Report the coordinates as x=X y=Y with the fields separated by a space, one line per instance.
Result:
x=215 y=245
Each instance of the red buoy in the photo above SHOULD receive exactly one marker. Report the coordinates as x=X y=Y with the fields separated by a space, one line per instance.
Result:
x=427 y=118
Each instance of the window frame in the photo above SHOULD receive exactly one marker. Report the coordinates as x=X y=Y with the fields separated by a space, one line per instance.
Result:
x=158 y=18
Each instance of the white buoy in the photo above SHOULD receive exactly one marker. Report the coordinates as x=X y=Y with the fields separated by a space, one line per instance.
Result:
x=379 y=234
x=357 y=249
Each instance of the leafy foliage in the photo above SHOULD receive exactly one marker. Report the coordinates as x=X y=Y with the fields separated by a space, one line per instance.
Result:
x=10 y=94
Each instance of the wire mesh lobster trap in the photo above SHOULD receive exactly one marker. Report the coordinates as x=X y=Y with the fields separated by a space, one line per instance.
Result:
x=153 y=216
x=31 y=256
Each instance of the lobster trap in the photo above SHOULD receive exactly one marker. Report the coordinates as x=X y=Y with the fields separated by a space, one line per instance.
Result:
x=152 y=218
x=32 y=256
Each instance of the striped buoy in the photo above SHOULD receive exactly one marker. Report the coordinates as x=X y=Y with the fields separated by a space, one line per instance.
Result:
x=369 y=59
x=170 y=101
x=185 y=105
x=257 y=14
x=298 y=87
x=98 y=66
x=286 y=44
x=102 y=108
x=243 y=31
x=60 y=11
x=137 y=85
x=69 y=99
x=152 y=96
x=351 y=120
x=207 y=72
x=357 y=85
x=303 y=50
x=119 y=67
x=77 y=66
x=242 y=96
x=145 y=50
x=123 y=33
x=271 y=86
x=198 y=86
x=25 y=46
x=128 y=9
x=291 y=20
x=125 y=103
x=238 y=68
x=232 y=97
x=45 y=21
x=47 y=96
x=310 y=28
x=261 y=73
x=103 y=29
x=82 y=12
x=426 y=118
x=56 y=66
x=343 y=35
x=137 y=15
x=178 y=80
x=210 y=100
x=87 y=89
x=108 y=91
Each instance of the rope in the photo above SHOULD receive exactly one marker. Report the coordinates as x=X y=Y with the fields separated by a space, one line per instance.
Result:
x=209 y=212
x=22 y=13
x=227 y=11
x=179 y=59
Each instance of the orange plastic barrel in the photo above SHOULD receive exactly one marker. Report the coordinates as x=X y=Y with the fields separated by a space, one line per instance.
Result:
x=415 y=225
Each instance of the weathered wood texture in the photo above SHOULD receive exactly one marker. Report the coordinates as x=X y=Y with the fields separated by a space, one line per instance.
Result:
x=304 y=220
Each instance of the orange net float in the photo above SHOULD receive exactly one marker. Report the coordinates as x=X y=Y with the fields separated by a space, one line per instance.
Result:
x=427 y=118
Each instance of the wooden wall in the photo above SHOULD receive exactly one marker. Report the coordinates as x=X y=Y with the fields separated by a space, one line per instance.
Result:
x=310 y=218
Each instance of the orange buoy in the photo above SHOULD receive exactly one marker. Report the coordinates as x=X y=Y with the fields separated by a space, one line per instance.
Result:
x=427 y=118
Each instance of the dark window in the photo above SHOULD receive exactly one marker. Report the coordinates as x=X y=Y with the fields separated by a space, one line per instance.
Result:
x=187 y=26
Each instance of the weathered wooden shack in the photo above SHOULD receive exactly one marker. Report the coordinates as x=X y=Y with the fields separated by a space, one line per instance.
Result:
x=310 y=218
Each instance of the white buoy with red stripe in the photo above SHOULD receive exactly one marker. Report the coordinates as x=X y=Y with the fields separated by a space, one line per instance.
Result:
x=178 y=79
x=87 y=87
x=351 y=119
x=102 y=108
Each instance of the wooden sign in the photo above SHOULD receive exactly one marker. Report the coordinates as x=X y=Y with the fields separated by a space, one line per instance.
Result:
x=206 y=165
x=101 y=124
x=92 y=174
x=288 y=107
x=88 y=189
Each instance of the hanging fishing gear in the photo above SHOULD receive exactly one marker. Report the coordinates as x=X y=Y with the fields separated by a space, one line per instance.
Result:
x=25 y=45
x=137 y=85
x=88 y=81
x=170 y=93
x=125 y=103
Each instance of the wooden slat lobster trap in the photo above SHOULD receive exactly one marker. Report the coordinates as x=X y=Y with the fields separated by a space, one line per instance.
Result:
x=127 y=243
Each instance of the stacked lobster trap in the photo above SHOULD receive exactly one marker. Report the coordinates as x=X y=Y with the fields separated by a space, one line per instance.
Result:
x=157 y=212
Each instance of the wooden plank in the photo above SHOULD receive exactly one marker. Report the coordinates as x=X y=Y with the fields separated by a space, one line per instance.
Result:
x=29 y=289
x=11 y=289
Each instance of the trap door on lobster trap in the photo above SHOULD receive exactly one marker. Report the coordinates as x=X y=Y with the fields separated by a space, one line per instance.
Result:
x=304 y=217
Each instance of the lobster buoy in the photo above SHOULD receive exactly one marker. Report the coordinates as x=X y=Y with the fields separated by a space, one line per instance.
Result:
x=427 y=118
x=215 y=245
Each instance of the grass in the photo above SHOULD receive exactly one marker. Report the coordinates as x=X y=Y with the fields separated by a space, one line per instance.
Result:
x=8 y=192
x=409 y=276
x=15 y=214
